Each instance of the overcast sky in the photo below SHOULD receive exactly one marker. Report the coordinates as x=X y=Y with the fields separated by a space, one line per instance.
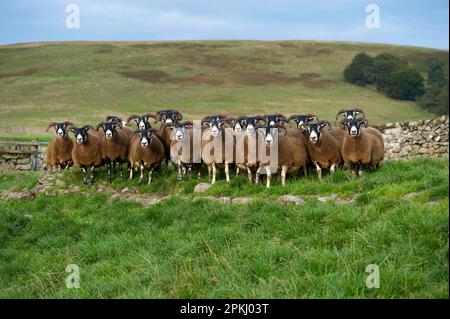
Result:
x=413 y=22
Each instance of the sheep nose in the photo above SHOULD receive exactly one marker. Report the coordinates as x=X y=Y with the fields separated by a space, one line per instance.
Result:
x=141 y=125
x=179 y=136
x=168 y=121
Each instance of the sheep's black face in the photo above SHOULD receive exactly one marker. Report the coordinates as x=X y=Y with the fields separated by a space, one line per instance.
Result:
x=180 y=132
x=61 y=129
x=275 y=120
x=142 y=123
x=80 y=134
x=354 y=126
x=302 y=119
x=314 y=130
x=350 y=114
x=215 y=125
x=239 y=125
x=146 y=138
x=252 y=123
x=110 y=129
x=170 y=116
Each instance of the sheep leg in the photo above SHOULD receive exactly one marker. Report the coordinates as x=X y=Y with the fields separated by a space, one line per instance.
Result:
x=209 y=170
x=184 y=170
x=92 y=174
x=305 y=170
x=269 y=176
x=199 y=174
x=360 y=169
x=109 y=172
x=131 y=172
x=333 y=168
x=237 y=170
x=214 y=171
x=121 y=169
x=284 y=169
x=249 y=173
x=150 y=175
x=257 y=180
x=190 y=172
x=85 y=179
x=142 y=173
x=179 y=176
x=227 y=172
x=319 y=170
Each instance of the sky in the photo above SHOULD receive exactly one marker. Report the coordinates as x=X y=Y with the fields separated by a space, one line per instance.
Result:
x=413 y=22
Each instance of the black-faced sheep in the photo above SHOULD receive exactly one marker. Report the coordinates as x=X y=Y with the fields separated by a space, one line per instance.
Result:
x=59 y=150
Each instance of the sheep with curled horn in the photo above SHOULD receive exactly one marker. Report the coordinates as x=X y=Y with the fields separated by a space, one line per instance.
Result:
x=322 y=146
x=275 y=119
x=114 y=144
x=361 y=148
x=216 y=145
x=246 y=145
x=185 y=151
x=167 y=117
x=146 y=152
x=123 y=124
x=87 y=150
x=351 y=114
x=59 y=150
x=291 y=153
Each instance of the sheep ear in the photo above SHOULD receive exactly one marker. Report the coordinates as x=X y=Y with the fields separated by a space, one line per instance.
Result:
x=343 y=124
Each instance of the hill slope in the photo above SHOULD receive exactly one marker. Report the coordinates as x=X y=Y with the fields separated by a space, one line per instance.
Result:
x=85 y=81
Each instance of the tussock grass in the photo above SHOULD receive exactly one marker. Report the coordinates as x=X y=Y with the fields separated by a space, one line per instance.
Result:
x=193 y=249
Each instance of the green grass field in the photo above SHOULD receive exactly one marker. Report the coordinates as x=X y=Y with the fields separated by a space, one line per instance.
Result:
x=85 y=81
x=203 y=249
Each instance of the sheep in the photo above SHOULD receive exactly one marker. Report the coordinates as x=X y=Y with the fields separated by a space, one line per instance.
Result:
x=215 y=145
x=145 y=152
x=167 y=117
x=361 y=148
x=114 y=143
x=87 y=151
x=185 y=150
x=59 y=150
x=351 y=114
x=322 y=147
x=291 y=152
x=246 y=141
x=122 y=124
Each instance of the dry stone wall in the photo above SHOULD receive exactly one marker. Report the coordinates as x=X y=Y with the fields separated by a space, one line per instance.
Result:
x=407 y=140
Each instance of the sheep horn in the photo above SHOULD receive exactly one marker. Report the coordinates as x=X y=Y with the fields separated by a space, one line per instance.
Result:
x=343 y=123
x=187 y=123
x=340 y=112
x=51 y=124
x=324 y=122
x=292 y=117
x=100 y=125
x=282 y=117
x=132 y=117
x=261 y=118
x=153 y=115
x=312 y=117
x=358 y=110
x=178 y=114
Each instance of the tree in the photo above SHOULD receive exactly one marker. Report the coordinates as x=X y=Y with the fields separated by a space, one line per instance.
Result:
x=403 y=83
x=356 y=72
x=383 y=65
x=435 y=100
x=436 y=75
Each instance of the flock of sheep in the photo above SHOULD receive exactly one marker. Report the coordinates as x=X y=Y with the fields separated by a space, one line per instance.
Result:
x=254 y=144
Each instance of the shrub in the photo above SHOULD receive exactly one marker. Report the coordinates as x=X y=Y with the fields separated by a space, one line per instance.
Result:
x=356 y=72
x=435 y=100
x=403 y=83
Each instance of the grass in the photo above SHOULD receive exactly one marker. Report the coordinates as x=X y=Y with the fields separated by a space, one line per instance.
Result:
x=203 y=249
x=85 y=81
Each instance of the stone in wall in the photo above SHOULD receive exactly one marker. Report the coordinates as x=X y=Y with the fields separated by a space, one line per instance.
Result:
x=417 y=138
